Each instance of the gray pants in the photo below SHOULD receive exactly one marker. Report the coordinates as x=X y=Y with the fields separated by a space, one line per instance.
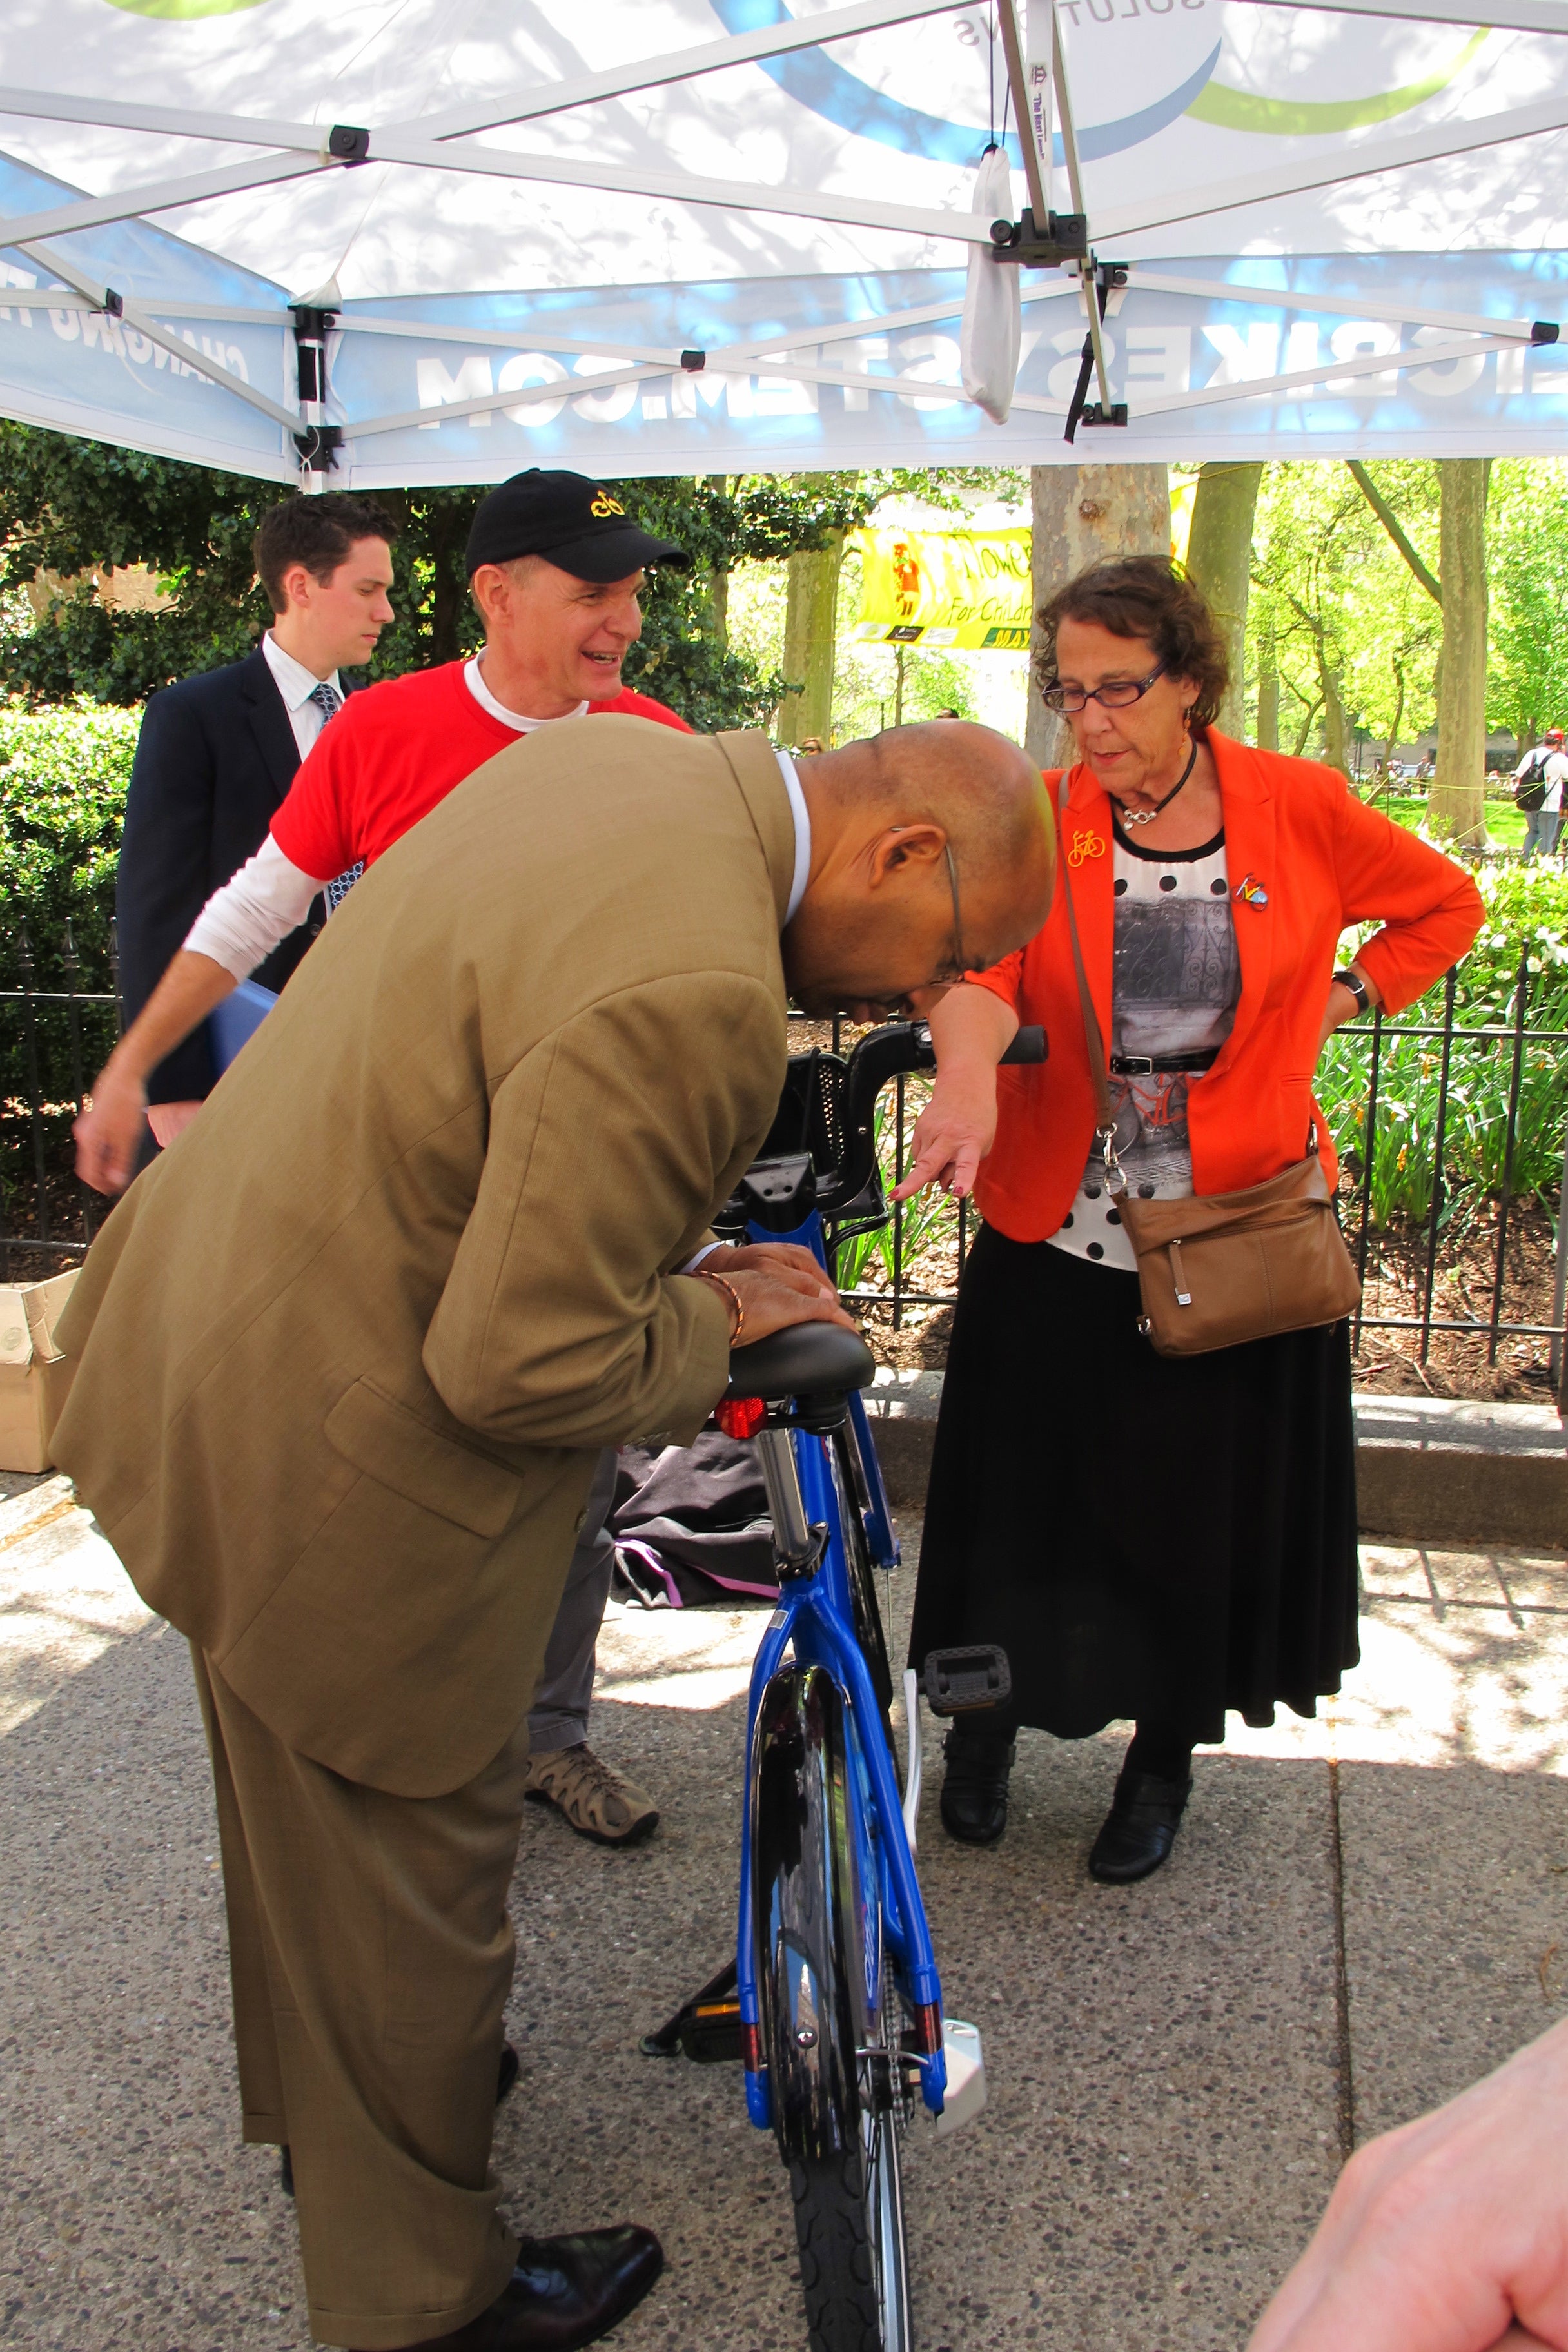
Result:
x=559 y=1716
x=1541 y=832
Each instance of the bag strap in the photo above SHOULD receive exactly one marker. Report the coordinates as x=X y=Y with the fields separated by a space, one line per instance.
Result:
x=1105 y=1132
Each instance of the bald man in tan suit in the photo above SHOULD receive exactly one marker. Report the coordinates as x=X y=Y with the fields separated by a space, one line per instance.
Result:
x=343 y=1358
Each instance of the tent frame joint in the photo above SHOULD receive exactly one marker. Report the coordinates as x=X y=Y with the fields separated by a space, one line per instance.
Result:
x=1065 y=238
x=1544 y=331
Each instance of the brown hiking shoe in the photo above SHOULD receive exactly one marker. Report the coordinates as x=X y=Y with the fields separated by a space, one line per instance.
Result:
x=598 y=1801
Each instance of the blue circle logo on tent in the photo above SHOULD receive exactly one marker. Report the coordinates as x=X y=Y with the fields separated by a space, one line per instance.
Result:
x=813 y=78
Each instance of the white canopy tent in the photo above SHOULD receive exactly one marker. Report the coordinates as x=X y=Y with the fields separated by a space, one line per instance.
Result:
x=390 y=245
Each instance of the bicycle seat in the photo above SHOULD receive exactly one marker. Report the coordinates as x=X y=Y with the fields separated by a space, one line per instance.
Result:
x=803 y=1359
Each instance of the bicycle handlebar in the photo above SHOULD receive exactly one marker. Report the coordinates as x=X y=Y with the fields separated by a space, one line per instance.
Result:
x=822 y=1150
x=897 y=1049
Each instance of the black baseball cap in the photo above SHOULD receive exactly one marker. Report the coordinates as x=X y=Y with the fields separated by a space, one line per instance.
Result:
x=573 y=522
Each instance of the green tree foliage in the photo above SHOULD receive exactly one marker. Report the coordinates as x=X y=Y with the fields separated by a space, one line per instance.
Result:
x=70 y=507
x=1354 y=635
x=1527 y=684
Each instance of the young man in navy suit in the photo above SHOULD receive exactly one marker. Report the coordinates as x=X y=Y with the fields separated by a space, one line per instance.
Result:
x=217 y=753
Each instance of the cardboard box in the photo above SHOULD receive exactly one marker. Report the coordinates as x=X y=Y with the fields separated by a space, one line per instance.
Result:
x=33 y=1380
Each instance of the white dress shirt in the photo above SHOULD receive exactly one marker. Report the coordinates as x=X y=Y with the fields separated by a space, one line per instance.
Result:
x=297 y=684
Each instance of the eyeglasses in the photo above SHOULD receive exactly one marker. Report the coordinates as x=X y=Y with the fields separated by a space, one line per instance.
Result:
x=960 y=960
x=1114 y=696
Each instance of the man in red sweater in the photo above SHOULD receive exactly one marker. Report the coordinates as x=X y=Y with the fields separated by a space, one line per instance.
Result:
x=554 y=566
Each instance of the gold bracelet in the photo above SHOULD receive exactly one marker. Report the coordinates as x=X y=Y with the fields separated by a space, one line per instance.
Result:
x=734 y=1296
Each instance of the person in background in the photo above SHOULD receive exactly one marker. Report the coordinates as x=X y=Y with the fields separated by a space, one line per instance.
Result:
x=1153 y=1539
x=554 y=565
x=1543 y=771
x=1450 y=2234
x=217 y=753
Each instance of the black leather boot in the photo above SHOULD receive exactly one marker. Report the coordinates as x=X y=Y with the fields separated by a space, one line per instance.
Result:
x=1140 y=1829
x=974 y=1791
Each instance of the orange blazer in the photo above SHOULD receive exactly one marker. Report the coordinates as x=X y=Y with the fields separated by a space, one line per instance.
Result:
x=1305 y=858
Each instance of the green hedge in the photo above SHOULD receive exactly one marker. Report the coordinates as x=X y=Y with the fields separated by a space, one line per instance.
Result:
x=63 y=779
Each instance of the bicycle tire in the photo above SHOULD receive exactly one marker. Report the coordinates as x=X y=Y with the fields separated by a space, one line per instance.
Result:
x=849 y=2229
x=834 y=2097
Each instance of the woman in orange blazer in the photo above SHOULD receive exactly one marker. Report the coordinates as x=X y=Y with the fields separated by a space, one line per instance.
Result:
x=1151 y=1539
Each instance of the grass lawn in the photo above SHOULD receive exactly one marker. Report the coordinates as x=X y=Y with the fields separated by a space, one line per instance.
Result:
x=1505 y=824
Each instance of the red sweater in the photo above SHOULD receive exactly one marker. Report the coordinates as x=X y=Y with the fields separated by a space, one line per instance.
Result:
x=1306 y=859
x=389 y=756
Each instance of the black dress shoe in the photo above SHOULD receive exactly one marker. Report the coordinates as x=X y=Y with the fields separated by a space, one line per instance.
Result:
x=974 y=1791
x=564 y=2292
x=1140 y=1829
x=506 y=2080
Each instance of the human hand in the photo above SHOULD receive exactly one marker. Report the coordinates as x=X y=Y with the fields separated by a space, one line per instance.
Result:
x=109 y=1132
x=773 y=1296
x=169 y=1119
x=765 y=1256
x=954 y=1133
x=1449 y=2235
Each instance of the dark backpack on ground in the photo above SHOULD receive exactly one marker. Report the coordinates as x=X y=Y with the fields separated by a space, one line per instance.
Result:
x=690 y=1526
x=1530 y=792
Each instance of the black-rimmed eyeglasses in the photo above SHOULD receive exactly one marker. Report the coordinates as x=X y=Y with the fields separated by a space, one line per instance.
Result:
x=1115 y=695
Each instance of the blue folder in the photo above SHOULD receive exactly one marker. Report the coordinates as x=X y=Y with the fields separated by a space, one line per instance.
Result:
x=239 y=1017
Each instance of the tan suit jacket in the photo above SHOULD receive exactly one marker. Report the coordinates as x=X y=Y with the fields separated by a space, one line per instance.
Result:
x=344 y=1354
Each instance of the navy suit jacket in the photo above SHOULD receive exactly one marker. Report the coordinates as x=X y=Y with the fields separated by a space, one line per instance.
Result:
x=215 y=758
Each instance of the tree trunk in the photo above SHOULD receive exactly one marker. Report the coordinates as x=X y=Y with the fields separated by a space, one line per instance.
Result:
x=811 y=615
x=1081 y=513
x=1392 y=743
x=1457 y=809
x=1267 y=695
x=1333 y=720
x=719 y=582
x=1219 y=557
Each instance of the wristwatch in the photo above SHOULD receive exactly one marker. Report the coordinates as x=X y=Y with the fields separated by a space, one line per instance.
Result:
x=1357 y=986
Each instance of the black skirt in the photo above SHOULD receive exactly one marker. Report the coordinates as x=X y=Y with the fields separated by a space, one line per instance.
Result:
x=1146 y=1537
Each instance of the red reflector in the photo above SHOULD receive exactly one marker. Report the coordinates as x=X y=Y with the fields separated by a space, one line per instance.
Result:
x=741 y=1416
x=928 y=2030
x=751 y=2048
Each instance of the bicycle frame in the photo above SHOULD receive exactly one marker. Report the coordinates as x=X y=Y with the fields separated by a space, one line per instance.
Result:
x=815 y=1615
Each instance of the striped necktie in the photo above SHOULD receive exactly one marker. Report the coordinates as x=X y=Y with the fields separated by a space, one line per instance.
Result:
x=328 y=702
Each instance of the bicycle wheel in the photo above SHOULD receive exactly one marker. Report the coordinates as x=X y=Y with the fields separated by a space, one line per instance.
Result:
x=829 y=2033
x=849 y=2228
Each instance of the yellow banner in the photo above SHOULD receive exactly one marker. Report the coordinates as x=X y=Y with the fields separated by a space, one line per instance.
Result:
x=963 y=588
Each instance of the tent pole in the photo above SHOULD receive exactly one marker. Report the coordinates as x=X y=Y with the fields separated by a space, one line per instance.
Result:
x=104 y=298
x=1086 y=268
x=1023 y=113
x=317 y=441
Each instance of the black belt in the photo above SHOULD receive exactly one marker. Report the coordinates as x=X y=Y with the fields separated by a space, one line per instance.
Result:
x=1146 y=1066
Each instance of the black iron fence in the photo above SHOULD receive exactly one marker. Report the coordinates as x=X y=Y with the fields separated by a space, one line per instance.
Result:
x=1449 y=1124
x=1451 y=1131
x=56 y=1027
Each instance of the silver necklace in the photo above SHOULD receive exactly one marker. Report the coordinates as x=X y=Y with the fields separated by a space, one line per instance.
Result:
x=1147 y=817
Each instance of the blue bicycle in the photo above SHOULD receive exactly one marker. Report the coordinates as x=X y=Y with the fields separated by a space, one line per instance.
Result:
x=833 y=2002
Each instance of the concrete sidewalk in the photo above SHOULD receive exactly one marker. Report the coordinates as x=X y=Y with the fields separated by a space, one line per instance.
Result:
x=1362 y=1915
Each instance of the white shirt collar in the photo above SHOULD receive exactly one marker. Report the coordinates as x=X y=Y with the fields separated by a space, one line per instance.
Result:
x=474 y=679
x=802 y=815
x=296 y=684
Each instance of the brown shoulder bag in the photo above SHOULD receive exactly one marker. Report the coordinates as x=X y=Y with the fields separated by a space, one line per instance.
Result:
x=1216 y=1270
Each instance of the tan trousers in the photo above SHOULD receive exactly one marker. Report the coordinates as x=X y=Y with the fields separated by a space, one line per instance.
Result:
x=370 y=1955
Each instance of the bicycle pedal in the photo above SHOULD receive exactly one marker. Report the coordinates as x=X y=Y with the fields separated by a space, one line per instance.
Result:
x=966 y=1681
x=710 y=2032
